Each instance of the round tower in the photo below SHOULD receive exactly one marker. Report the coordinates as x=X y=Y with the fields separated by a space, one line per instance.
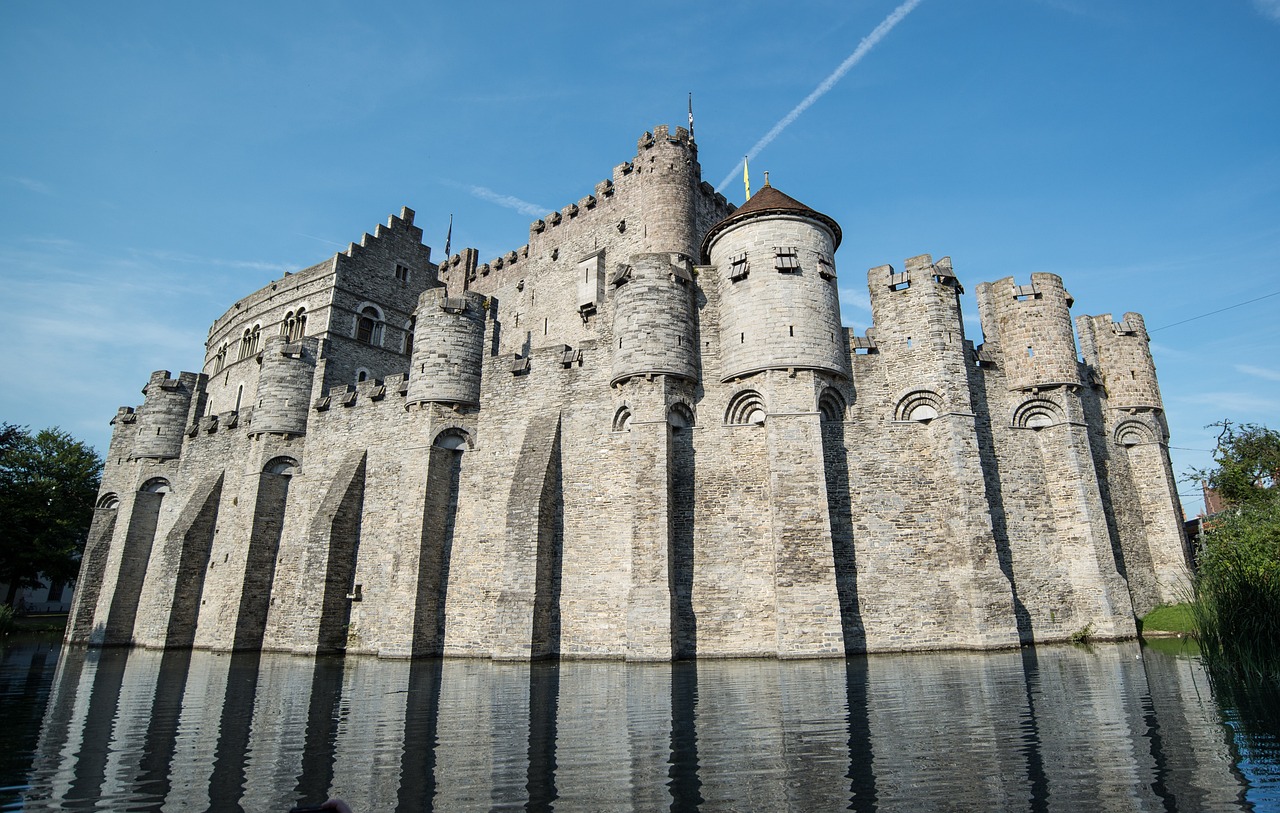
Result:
x=163 y=415
x=654 y=318
x=284 y=386
x=779 y=306
x=667 y=164
x=448 y=348
x=1121 y=353
x=1033 y=325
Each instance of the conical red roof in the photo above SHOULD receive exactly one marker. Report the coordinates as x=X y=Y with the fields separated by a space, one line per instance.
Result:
x=769 y=201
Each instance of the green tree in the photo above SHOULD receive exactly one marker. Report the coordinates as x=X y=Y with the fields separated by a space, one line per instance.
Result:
x=48 y=483
x=1246 y=464
x=1237 y=581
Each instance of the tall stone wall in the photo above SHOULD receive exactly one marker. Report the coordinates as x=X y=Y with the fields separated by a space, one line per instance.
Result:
x=580 y=455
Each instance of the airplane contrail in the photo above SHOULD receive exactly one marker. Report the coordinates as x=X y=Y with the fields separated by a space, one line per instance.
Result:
x=509 y=201
x=868 y=42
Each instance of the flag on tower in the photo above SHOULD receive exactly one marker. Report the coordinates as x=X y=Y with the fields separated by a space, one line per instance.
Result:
x=691 y=114
x=448 y=240
x=746 y=180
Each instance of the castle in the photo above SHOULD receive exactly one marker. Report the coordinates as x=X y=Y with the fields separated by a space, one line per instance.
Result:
x=644 y=434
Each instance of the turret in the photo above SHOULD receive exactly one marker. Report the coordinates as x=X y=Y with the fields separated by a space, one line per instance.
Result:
x=448 y=348
x=654 y=318
x=284 y=386
x=1120 y=352
x=779 y=305
x=163 y=415
x=1030 y=326
x=669 y=172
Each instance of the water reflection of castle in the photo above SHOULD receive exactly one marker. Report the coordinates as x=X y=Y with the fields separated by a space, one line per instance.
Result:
x=1115 y=728
x=644 y=434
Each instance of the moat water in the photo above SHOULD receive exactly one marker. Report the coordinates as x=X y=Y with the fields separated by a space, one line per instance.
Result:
x=1111 y=727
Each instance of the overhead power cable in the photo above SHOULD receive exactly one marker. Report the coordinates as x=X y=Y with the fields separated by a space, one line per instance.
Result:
x=1219 y=310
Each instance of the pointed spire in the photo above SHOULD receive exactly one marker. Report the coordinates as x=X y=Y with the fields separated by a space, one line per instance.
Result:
x=766 y=179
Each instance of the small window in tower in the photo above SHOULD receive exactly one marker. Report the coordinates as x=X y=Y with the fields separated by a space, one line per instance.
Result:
x=826 y=268
x=738 y=267
x=785 y=259
x=402 y=272
x=1031 y=353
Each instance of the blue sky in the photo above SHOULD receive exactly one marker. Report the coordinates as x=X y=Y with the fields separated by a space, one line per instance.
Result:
x=160 y=160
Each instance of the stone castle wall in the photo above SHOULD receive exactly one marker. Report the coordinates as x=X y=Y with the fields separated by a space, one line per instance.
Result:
x=615 y=442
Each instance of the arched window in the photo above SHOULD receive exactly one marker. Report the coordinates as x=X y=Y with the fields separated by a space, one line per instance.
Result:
x=362 y=375
x=921 y=406
x=369 y=326
x=409 y=328
x=680 y=416
x=220 y=359
x=156 y=485
x=831 y=406
x=281 y=465
x=454 y=439
x=246 y=344
x=746 y=408
x=294 y=326
x=622 y=419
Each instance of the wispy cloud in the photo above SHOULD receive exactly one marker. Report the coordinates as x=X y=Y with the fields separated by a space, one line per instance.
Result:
x=1258 y=372
x=33 y=185
x=192 y=259
x=868 y=42
x=857 y=297
x=1231 y=403
x=509 y=201
x=1268 y=8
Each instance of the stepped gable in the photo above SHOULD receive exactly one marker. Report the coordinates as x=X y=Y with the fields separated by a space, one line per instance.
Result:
x=769 y=201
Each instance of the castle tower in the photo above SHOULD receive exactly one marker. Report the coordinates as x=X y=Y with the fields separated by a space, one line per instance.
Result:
x=1031 y=327
x=284 y=386
x=448 y=348
x=773 y=266
x=668 y=166
x=919 y=333
x=163 y=415
x=1119 y=353
x=655 y=318
x=779 y=305
x=1028 y=329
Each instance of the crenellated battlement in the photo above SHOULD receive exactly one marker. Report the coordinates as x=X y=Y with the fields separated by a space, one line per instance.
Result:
x=1029 y=326
x=1120 y=354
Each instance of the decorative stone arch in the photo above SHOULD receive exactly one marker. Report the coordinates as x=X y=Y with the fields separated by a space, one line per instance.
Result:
x=1037 y=414
x=920 y=406
x=454 y=438
x=283 y=464
x=1134 y=433
x=831 y=406
x=367 y=324
x=156 y=485
x=746 y=408
x=680 y=416
x=108 y=500
x=622 y=419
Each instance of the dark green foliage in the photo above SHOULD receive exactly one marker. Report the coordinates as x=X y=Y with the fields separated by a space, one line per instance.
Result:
x=1237 y=590
x=48 y=483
